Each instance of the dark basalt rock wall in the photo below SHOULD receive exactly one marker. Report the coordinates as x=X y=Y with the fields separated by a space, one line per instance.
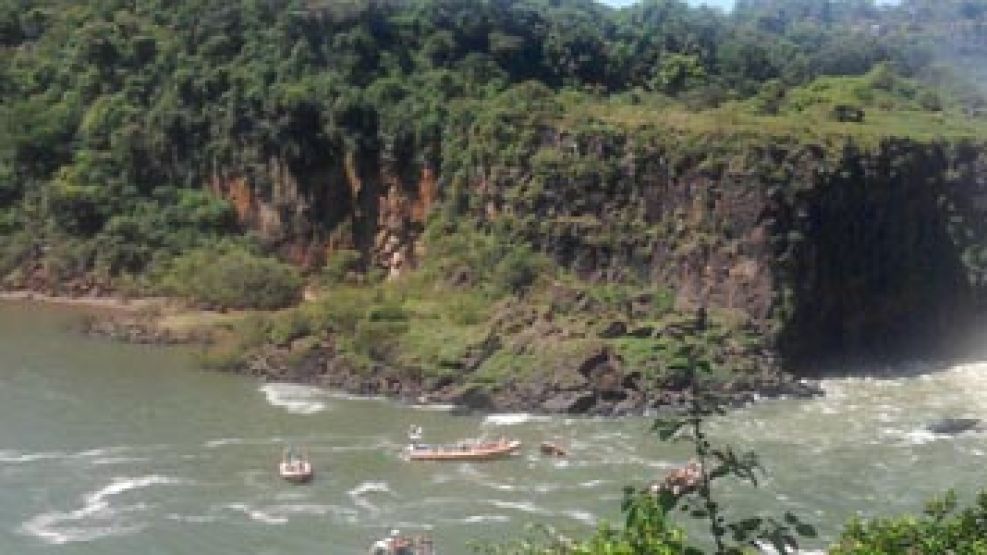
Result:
x=360 y=201
x=880 y=256
x=840 y=257
x=836 y=255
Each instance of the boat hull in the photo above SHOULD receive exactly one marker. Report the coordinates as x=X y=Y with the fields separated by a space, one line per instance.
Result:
x=296 y=475
x=480 y=453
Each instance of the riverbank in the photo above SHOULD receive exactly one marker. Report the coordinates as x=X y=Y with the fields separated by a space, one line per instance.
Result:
x=143 y=320
x=561 y=370
x=113 y=304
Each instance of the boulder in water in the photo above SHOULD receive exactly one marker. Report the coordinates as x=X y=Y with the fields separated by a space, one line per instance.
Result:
x=953 y=426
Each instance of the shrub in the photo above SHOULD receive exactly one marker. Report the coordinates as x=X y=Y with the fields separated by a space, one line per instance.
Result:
x=517 y=270
x=15 y=250
x=232 y=279
x=68 y=259
x=342 y=265
x=467 y=309
x=252 y=331
x=930 y=101
x=378 y=340
x=942 y=529
x=846 y=113
x=647 y=529
x=222 y=360
x=288 y=327
x=389 y=311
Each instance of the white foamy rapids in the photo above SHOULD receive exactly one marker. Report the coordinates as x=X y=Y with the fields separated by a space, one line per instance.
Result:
x=296 y=399
x=952 y=389
x=226 y=441
x=98 y=456
x=521 y=506
x=359 y=493
x=871 y=411
x=581 y=517
x=96 y=518
x=191 y=519
x=434 y=407
x=768 y=549
x=280 y=514
x=513 y=419
x=16 y=457
x=107 y=461
x=257 y=514
x=213 y=443
x=481 y=519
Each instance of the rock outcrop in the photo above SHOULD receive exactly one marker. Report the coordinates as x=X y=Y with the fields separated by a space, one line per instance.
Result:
x=834 y=256
x=357 y=202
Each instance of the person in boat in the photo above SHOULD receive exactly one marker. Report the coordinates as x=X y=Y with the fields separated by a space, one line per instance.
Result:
x=680 y=480
x=288 y=458
x=293 y=460
x=393 y=544
x=415 y=436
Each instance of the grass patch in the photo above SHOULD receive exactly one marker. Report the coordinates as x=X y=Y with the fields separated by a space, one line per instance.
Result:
x=892 y=106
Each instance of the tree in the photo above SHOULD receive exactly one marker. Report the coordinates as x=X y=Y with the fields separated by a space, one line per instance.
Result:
x=717 y=462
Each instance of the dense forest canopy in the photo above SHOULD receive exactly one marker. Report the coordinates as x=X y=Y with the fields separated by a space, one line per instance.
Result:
x=117 y=112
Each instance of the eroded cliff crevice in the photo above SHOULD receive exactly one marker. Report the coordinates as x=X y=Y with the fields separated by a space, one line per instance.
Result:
x=349 y=202
x=879 y=255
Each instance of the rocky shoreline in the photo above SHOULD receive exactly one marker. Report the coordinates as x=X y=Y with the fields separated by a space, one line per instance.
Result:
x=605 y=390
x=596 y=385
x=140 y=329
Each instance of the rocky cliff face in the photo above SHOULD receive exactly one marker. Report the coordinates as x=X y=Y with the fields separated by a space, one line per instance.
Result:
x=833 y=255
x=879 y=254
x=355 y=202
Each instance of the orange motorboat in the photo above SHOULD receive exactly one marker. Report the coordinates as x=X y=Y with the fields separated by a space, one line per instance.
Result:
x=464 y=451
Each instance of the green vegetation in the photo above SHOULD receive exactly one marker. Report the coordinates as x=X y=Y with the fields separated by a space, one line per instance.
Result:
x=189 y=148
x=117 y=115
x=231 y=278
x=944 y=528
x=649 y=529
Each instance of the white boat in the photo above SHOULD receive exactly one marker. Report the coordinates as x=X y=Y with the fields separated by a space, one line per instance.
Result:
x=295 y=467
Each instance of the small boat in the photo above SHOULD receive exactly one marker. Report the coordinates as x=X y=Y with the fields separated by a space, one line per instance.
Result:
x=295 y=467
x=552 y=449
x=680 y=481
x=464 y=451
x=396 y=544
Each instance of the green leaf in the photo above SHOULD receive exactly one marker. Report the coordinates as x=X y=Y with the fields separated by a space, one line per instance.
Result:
x=667 y=429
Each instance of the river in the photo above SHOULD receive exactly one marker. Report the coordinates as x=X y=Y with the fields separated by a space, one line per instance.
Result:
x=111 y=449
